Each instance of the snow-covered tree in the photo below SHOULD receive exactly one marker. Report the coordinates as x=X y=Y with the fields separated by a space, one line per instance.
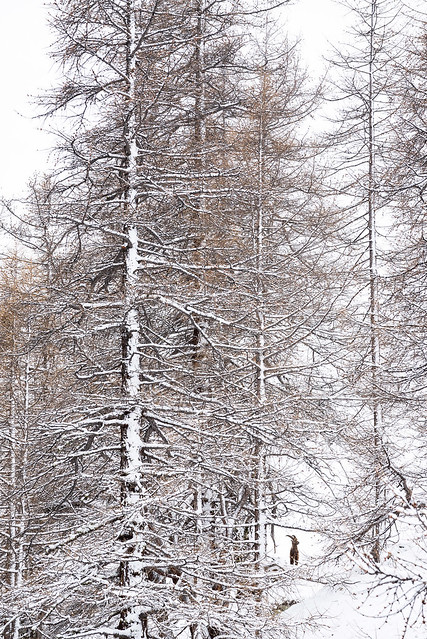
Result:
x=34 y=488
x=153 y=271
x=361 y=149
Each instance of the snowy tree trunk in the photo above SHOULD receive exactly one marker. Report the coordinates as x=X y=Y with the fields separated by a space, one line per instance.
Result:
x=260 y=525
x=18 y=435
x=13 y=564
x=373 y=275
x=202 y=499
x=131 y=569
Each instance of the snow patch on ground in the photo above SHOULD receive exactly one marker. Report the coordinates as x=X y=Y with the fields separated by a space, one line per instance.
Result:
x=356 y=610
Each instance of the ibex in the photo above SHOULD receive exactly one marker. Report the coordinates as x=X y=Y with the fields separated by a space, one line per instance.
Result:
x=294 y=552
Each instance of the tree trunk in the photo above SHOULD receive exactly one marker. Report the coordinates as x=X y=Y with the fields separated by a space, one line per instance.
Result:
x=131 y=569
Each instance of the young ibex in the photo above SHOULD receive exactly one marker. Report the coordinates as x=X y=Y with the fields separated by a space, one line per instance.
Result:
x=294 y=552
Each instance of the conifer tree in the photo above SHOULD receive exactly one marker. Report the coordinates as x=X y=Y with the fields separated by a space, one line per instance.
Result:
x=183 y=243
x=363 y=148
x=149 y=320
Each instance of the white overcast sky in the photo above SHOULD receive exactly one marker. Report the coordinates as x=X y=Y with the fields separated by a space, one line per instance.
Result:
x=26 y=71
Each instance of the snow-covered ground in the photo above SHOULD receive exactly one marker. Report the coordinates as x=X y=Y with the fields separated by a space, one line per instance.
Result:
x=348 y=600
x=351 y=612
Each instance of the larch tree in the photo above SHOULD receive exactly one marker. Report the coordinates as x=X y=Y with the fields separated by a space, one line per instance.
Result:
x=149 y=303
x=288 y=288
x=403 y=575
x=407 y=291
x=33 y=487
x=360 y=180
